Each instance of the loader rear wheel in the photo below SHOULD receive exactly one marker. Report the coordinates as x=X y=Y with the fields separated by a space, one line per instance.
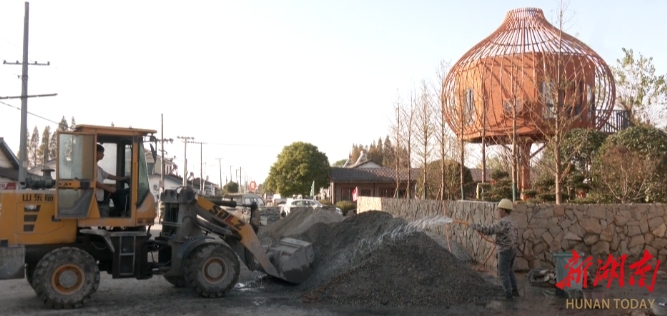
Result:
x=177 y=281
x=212 y=270
x=66 y=278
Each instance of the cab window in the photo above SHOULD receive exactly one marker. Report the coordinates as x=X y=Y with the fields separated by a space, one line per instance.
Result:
x=144 y=187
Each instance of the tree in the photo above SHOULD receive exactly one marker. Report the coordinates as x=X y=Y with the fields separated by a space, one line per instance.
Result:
x=63 y=126
x=72 y=125
x=424 y=130
x=231 y=187
x=451 y=190
x=387 y=153
x=501 y=160
x=409 y=114
x=53 y=145
x=298 y=165
x=43 y=152
x=33 y=145
x=563 y=102
x=339 y=163
x=397 y=130
x=648 y=146
x=626 y=175
x=581 y=144
x=443 y=134
x=638 y=89
x=378 y=156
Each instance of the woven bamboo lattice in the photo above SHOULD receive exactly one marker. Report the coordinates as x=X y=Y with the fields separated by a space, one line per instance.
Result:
x=522 y=74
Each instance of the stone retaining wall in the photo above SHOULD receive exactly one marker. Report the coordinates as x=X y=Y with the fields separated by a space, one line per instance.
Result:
x=595 y=229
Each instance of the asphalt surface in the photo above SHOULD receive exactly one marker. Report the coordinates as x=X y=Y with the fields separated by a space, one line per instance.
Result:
x=157 y=297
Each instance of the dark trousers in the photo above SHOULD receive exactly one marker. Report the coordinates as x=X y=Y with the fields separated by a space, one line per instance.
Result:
x=119 y=199
x=506 y=271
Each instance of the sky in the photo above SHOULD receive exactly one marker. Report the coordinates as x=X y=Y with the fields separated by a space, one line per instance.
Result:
x=250 y=77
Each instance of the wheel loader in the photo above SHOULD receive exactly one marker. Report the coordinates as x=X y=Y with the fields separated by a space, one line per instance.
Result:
x=59 y=234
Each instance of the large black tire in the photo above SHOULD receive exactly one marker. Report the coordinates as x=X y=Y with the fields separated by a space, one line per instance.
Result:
x=177 y=281
x=212 y=270
x=66 y=277
x=29 y=271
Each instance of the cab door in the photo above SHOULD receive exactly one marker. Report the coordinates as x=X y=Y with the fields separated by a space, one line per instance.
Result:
x=75 y=176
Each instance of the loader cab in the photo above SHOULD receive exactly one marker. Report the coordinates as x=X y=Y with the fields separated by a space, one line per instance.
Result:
x=125 y=155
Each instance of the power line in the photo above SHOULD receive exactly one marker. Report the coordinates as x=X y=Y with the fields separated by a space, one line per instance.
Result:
x=262 y=145
x=33 y=114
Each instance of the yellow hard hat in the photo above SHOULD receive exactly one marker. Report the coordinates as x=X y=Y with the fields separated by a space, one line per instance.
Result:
x=506 y=204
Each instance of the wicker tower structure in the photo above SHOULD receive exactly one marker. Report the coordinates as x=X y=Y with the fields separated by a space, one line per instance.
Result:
x=523 y=84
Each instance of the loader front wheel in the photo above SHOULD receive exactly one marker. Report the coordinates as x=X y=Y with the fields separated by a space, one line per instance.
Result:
x=177 y=281
x=29 y=271
x=212 y=270
x=66 y=277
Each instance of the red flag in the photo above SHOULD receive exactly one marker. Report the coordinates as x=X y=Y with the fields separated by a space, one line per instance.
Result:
x=354 y=194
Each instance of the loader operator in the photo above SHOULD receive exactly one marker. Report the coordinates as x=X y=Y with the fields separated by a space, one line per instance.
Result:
x=117 y=196
x=507 y=237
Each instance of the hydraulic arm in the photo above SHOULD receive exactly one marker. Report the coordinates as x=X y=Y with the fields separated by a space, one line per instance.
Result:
x=288 y=259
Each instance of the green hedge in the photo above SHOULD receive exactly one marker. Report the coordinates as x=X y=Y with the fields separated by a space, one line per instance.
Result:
x=345 y=206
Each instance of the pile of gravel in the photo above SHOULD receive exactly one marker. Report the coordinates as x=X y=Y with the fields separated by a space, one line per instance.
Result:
x=456 y=247
x=411 y=271
x=373 y=259
x=298 y=222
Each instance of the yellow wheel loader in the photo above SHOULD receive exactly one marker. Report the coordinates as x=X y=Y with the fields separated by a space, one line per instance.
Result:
x=59 y=234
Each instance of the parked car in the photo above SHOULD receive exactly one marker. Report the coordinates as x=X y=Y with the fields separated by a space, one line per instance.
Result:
x=285 y=208
x=245 y=198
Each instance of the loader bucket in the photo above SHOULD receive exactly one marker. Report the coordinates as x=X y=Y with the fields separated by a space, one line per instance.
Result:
x=292 y=258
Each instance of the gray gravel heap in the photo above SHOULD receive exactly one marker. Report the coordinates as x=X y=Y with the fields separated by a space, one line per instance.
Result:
x=298 y=222
x=371 y=260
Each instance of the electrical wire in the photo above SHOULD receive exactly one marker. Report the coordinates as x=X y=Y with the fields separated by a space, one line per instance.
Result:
x=33 y=114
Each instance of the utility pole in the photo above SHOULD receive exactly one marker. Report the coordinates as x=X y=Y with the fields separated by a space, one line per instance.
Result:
x=23 y=157
x=220 y=167
x=201 y=165
x=240 y=180
x=162 y=152
x=185 y=158
x=161 y=189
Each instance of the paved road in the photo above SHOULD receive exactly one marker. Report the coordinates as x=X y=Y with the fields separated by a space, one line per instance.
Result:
x=157 y=297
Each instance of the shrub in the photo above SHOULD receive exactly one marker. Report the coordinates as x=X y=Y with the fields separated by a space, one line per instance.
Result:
x=533 y=201
x=530 y=193
x=586 y=200
x=485 y=186
x=325 y=202
x=551 y=197
x=547 y=197
x=499 y=174
x=345 y=206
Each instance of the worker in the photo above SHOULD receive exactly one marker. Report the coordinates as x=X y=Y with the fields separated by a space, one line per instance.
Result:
x=507 y=237
x=117 y=196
